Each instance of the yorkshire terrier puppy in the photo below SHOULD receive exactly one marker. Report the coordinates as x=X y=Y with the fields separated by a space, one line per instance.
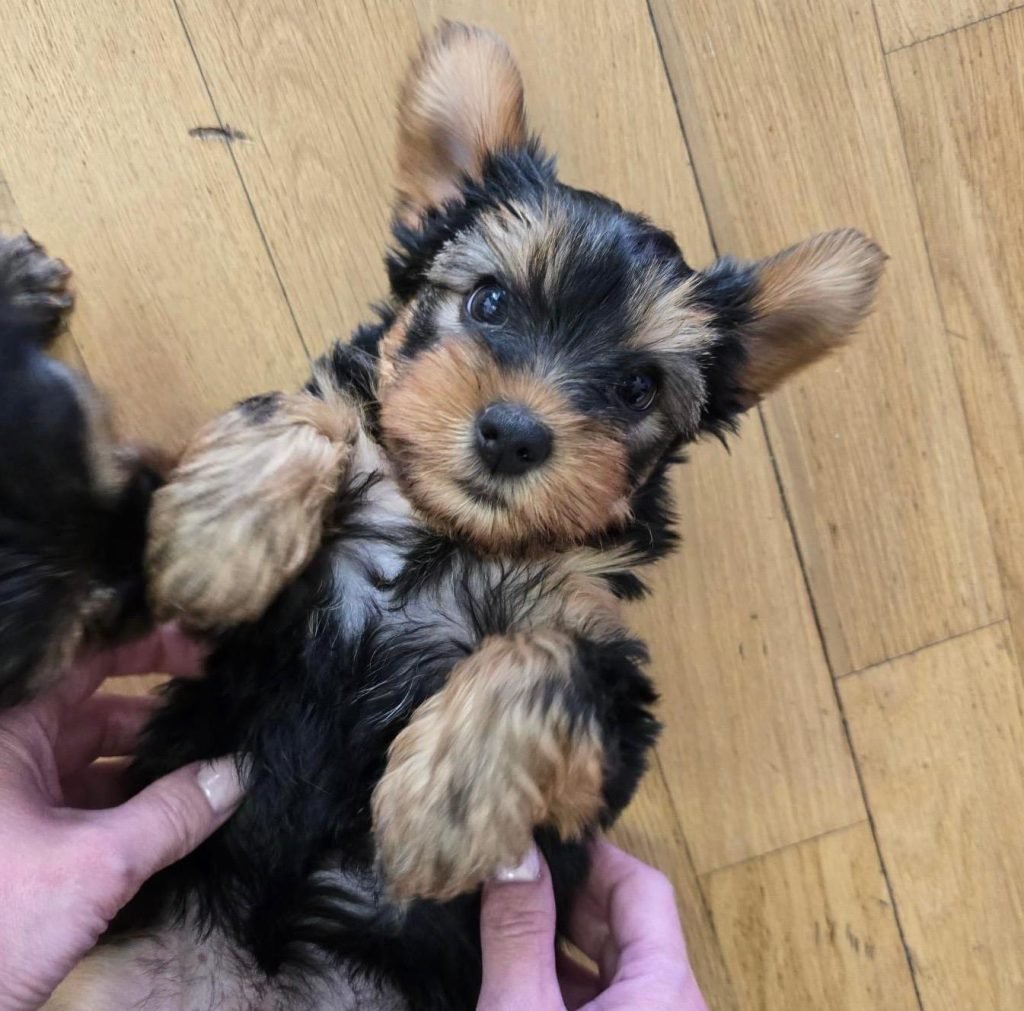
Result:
x=412 y=569
x=73 y=504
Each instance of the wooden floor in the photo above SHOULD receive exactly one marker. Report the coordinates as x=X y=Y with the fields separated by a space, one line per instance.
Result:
x=839 y=796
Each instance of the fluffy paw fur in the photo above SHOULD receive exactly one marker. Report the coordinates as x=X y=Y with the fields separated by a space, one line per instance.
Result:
x=500 y=750
x=32 y=284
x=243 y=512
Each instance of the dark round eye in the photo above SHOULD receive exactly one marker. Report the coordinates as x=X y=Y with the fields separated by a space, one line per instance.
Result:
x=639 y=390
x=488 y=304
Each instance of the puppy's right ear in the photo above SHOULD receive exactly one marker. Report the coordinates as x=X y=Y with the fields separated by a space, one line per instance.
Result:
x=462 y=100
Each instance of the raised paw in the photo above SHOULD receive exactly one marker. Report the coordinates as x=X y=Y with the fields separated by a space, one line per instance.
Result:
x=33 y=285
x=244 y=510
x=492 y=756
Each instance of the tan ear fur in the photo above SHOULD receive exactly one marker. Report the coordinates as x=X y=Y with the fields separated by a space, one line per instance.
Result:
x=807 y=301
x=462 y=99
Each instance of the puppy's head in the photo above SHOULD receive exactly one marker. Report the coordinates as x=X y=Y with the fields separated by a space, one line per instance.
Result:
x=549 y=347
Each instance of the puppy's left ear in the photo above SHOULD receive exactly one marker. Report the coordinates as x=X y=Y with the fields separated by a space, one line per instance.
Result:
x=462 y=101
x=778 y=315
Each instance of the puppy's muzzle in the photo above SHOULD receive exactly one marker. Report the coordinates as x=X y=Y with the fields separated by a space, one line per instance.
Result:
x=511 y=440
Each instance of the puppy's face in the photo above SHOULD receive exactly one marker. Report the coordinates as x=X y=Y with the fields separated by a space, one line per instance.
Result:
x=549 y=347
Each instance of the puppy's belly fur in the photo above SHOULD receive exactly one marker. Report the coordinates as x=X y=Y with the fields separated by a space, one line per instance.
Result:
x=175 y=969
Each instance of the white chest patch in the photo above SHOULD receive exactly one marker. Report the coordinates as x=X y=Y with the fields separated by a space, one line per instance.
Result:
x=371 y=552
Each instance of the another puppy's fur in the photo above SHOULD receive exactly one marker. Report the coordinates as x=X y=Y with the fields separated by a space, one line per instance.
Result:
x=413 y=568
x=73 y=504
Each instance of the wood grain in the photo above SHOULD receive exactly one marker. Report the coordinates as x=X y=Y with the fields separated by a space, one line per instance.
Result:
x=177 y=305
x=940 y=740
x=812 y=926
x=963 y=117
x=650 y=830
x=904 y=22
x=792 y=130
x=754 y=752
x=313 y=87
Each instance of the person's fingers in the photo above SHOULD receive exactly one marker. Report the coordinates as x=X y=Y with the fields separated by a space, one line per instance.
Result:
x=627 y=919
x=102 y=726
x=588 y=920
x=623 y=903
x=640 y=902
x=96 y=787
x=577 y=983
x=517 y=933
x=166 y=650
x=171 y=817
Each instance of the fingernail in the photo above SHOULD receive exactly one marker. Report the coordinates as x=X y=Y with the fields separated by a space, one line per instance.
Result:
x=527 y=870
x=221 y=782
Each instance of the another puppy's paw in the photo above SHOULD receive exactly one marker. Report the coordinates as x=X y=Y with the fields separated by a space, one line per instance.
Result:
x=34 y=286
x=492 y=756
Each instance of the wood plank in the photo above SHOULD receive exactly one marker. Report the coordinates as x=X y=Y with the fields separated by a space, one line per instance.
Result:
x=753 y=750
x=313 y=87
x=793 y=130
x=812 y=926
x=904 y=22
x=963 y=119
x=940 y=740
x=179 y=312
x=650 y=830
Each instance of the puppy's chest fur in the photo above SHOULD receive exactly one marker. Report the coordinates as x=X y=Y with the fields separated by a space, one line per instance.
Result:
x=427 y=597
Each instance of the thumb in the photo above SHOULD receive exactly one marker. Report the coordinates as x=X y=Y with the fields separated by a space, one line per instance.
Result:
x=172 y=816
x=517 y=933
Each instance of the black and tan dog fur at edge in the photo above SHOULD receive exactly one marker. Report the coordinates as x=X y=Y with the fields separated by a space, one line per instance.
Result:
x=412 y=569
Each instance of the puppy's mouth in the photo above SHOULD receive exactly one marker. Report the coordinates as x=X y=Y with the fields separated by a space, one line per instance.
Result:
x=481 y=494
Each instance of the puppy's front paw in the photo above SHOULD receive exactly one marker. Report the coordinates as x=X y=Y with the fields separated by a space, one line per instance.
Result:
x=244 y=510
x=34 y=286
x=494 y=754
x=439 y=834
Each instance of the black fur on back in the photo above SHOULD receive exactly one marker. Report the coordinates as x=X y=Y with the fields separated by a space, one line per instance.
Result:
x=62 y=538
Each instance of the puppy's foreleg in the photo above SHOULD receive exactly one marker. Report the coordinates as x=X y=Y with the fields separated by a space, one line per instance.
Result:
x=508 y=744
x=244 y=510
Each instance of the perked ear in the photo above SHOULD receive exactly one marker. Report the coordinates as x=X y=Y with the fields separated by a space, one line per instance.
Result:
x=462 y=100
x=788 y=311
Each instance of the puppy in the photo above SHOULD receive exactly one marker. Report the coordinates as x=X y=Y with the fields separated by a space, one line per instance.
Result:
x=73 y=503
x=412 y=569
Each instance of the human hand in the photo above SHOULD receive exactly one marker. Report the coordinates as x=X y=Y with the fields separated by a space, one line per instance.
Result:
x=624 y=918
x=69 y=860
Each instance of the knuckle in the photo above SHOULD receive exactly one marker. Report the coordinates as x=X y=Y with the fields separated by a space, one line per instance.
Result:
x=659 y=885
x=655 y=886
x=512 y=922
x=537 y=997
x=171 y=812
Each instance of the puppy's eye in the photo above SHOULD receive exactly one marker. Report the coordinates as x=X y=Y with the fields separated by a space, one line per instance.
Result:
x=639 y=390
x=488 y=304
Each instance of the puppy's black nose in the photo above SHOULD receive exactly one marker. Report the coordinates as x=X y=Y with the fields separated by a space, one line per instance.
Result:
x=510 y=440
